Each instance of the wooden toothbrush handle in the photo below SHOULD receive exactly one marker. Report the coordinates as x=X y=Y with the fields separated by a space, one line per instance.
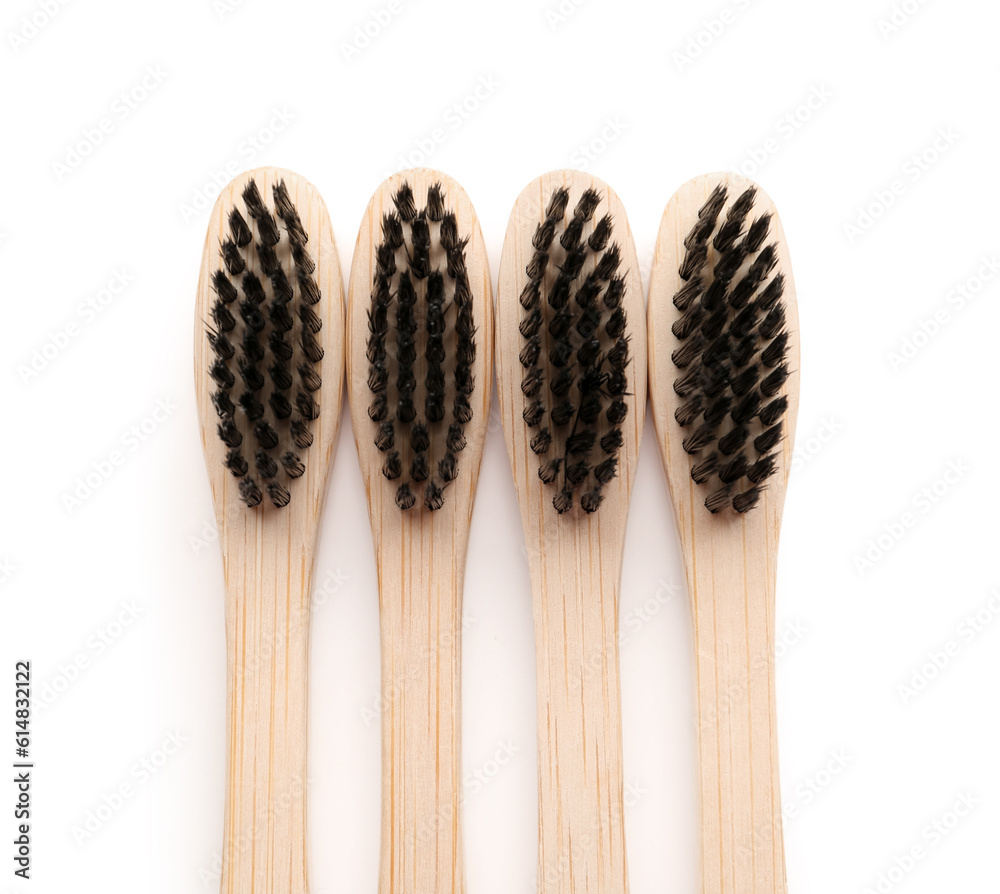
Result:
x=733 y=613
x=267 y=632
x=421 y=621
x=581 y=836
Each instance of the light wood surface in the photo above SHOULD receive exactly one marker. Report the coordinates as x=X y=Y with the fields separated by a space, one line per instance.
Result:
x=421 y=568
x=268 y=560
x=730 y=561
x=575 y=562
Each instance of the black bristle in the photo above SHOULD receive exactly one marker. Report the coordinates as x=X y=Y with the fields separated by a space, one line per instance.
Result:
x=732 y=350
x=252 y=408
x=222 y=374
x=563 y=413
x=267 y=257
x=239 y=229
x=563 y=501
x=279 y=494
x=703 y=470
x=773 y=382
x=421 y=352
x=746 y=501
x=541 y=441
x=734 y=469
x=435 y=203
x=293 y=466
x=767 y=441
x=265 y=464
x=718 y=500
x=224 y=287
x=403 y=200
x=250 y=491
x=419 y=467
x=386 y=436
x=433 y=496
x=236 y=462
x=448 y=467
x=764 y=468
x=265 y=434
x=606 y=470
x=267 y=229
x=393 y=467
x=229 y=432
x=404 y=497
x=301 y=434
x=280 y=405
x=223 y=403
x=392 y=231
x=285 y=209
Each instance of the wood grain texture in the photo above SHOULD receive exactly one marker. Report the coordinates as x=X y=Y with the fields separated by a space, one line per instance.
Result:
x=575 y=562
x=421 y=569
x=268 y=559
x=730 y=562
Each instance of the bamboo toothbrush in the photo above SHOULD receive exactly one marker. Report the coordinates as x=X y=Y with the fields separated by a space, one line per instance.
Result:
x=723 y=380
x=271 y=299
x=420 y=361
x=571 y=369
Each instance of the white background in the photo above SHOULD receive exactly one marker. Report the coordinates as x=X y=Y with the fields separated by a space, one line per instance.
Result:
x=603 y=86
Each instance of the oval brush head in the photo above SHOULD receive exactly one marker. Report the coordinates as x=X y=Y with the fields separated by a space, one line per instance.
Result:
x=732 y=340
x=575 y=348
x=264 y=333
x=421 y=346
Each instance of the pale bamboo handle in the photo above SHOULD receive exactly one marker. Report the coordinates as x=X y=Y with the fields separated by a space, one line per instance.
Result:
x=421 y=738
x=580 y=797
x=264 y=843
x=742 y=849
